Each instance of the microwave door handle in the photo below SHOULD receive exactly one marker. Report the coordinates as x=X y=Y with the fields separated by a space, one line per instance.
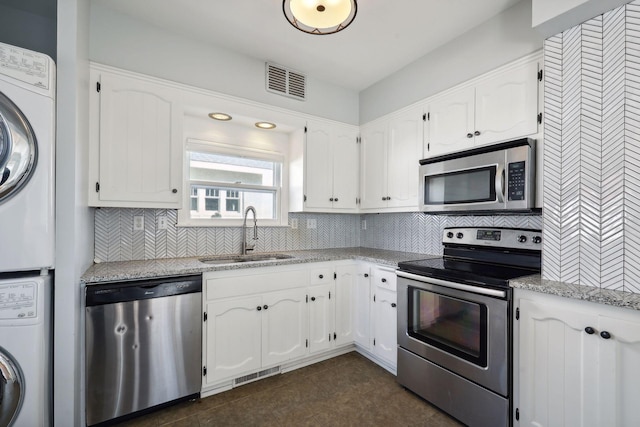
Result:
x=500 y=184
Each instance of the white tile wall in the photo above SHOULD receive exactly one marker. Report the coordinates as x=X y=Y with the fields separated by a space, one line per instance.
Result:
x=115 y=239
x=592 y=152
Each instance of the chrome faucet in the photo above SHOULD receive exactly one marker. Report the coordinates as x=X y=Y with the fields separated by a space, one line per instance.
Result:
x=245 y=246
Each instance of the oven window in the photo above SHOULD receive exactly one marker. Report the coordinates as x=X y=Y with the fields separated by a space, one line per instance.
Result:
x=468 y=186
x=453 y=325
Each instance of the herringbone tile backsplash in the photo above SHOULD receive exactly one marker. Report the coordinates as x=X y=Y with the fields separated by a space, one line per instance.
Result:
x=592 y=152
x=115 y=239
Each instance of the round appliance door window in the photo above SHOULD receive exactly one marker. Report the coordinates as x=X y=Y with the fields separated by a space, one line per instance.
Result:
x=11 y=388
x=18 y=149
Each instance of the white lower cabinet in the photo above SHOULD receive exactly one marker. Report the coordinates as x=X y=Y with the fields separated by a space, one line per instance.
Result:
x=384 y=314
x=362 y=308
x=578 y=363
x=256 y=319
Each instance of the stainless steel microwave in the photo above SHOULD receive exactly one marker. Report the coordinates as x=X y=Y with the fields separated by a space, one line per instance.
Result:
x=498 y=177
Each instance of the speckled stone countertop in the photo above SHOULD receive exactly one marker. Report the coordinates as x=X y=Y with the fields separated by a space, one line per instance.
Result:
x=587 y=293
x=128 y=270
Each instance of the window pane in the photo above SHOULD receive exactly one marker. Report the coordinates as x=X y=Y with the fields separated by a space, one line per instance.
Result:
x=235 y=170
x=232 y=203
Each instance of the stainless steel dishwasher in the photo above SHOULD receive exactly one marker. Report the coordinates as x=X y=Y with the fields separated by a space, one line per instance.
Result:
x=143 y=345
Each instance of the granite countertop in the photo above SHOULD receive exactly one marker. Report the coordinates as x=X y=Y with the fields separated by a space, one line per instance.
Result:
x=587 y=293
x=128 y=270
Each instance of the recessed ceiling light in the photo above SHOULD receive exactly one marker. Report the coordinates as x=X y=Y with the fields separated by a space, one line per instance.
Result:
x=220 y=116
x=265 y=125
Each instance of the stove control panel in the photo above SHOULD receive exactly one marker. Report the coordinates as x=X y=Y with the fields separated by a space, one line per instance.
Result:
x=494 y=236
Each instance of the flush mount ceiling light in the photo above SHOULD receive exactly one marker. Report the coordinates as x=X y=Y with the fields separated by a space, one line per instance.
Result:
x=320 y=16
x=220 y=116
x=265 y=125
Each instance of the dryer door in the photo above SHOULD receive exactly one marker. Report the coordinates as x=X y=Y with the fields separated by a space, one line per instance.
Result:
x=18 y=149
x=11 y=388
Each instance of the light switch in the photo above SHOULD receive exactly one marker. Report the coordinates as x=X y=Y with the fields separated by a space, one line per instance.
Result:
x=162 y=222
x=138 y=223
x=364 y=224
x=294 y=223
x=311 y=223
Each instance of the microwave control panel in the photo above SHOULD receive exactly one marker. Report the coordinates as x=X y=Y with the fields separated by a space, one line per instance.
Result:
x=516 y=181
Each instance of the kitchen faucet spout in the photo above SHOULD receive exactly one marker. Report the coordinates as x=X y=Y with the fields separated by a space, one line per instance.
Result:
x=246 y=247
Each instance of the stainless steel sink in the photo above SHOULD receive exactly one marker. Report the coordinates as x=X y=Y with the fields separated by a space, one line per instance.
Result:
x=233 y=259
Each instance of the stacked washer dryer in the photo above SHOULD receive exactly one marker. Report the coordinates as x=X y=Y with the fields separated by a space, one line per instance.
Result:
x=27 y=134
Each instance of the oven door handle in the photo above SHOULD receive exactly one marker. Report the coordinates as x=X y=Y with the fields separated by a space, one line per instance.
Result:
x=454 y=285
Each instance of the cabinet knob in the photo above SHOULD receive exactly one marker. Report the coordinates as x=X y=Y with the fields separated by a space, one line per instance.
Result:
x=321 y=276
x=313 y=298
x=606 y=335
x=384 y=198
x=393 y=304
x=384 y=280
x=366 y=274
x=265 y=306
x=174 y=191
x=335 y=200
x=469 y=135
x=258 y=308
x=589 y=330
x=331 y=199
x=477 y=133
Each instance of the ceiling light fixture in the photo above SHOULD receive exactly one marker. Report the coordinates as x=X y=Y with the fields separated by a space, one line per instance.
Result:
x=220 y=116
x=320 y=16
x=265 y=125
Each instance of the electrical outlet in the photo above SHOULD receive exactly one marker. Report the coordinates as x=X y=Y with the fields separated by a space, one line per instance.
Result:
x=138 y=222
x=162 y=222
x=363 y=224
x=311 y=223
x=294 y=223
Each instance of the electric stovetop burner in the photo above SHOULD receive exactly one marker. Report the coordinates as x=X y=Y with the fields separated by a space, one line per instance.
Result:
x=482 y=256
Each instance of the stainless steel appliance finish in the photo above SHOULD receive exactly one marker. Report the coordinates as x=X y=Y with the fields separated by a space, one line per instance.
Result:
x=11 y=389
x=143 y=345
x=454 y=328
x=498 y=177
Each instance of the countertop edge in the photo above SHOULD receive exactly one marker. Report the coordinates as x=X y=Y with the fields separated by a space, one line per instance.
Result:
x=610 y=297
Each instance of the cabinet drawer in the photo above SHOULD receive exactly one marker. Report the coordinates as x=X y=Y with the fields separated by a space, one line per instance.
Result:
x=321 y=275
x=384 y=278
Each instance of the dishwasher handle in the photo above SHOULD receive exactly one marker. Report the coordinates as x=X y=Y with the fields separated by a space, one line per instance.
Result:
x=136 y=290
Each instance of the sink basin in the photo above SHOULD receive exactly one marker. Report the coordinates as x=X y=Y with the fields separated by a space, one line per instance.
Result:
x=233 y=259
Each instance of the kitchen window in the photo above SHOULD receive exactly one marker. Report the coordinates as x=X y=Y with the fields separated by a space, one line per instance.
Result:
x=223 y=180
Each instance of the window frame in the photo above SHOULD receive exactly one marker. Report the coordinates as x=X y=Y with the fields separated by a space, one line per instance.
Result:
x=280 y=192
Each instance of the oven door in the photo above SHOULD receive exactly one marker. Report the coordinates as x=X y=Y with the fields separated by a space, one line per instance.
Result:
x=459 y=327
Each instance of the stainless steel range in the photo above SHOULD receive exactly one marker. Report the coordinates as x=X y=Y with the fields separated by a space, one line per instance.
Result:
x=454 y=327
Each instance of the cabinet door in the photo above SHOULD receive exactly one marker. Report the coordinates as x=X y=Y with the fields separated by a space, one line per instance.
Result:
x=346 y=161
x=140 y=150
x=404 y=152
x=385 y=342
x=318 y=167
x=232 y=342
x=451 y=121
x=507 y=105
x=362 y=309
x=558 y=366
x=321 y=317
x=373 y=181
x=284 y=326
x=618 y=385
x=346 y=278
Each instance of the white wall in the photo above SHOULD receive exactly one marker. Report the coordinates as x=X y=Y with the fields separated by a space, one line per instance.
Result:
x=504 y=38
x=127 y=43
x=74 y=220
x=550 y=17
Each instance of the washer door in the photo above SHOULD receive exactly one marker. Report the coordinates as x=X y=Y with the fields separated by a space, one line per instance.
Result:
x=11 y=388
x=18 y=149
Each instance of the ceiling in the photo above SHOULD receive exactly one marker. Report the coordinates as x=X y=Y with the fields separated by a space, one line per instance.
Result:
x=385 y=36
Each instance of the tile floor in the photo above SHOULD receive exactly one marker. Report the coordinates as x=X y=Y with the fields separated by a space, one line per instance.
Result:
x=348 y=390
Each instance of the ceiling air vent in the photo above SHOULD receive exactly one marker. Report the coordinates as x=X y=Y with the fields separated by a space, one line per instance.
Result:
x=286 y=82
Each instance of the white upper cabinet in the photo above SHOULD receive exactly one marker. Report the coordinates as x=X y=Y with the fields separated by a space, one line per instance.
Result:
x=451 y=119
x=390 y=152
x=500 y=106
x=136 y=144
x=329 y=177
